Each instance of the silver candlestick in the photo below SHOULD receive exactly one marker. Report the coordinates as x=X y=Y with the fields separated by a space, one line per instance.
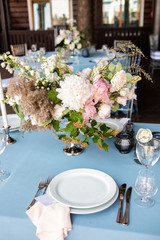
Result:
x=9 y=139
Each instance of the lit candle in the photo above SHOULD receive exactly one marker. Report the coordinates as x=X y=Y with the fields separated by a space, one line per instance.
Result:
x=3 y=106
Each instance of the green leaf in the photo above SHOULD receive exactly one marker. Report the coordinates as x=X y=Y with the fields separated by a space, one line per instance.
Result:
x=46 y=123
x=115 y=107
x=93 y=123
x=110 y=75
x=105 y=146
x=100 y=141
x=74 y=132
x=70 y=127
x=61 y=136
x=56 y=125
x=66 y=111
x=76 y=117
x=129 y=77
x=82 y=111
x=95 y=138
x=18 y=111
x=83 y=130
x=111 y=67
x=118 y=67
x=53 y=96
x=103 y=128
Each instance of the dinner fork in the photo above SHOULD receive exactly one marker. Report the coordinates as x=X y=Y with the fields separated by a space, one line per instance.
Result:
x=49 y=179
x=40 y=186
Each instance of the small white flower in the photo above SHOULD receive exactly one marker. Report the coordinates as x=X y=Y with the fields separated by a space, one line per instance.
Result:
x=3 y=65
x=32 y=73
x=22 y=70
x=1 y=57
x=144 y=135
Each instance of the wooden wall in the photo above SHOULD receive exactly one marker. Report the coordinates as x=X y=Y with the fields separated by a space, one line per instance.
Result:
x=148 y=13
x=18 y=11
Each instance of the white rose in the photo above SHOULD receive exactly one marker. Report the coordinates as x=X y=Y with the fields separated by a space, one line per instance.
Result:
x=59 y=39
x=124 y=92
x=72 y=46
x=66 y=41
x=118 y=81
x=79 y=45
x=58 y=112
x=144 y=135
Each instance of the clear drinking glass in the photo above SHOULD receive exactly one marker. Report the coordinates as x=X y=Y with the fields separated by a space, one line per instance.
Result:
x=3 y=174
x=34 y=47
x=145 y=187
x=148 y=153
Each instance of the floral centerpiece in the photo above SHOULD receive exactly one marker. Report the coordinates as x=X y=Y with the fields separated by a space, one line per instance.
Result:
x=43 y=100
x=71 y=39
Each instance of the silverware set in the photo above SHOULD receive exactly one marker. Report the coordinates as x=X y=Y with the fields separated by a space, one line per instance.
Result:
x=120 y=219
x=43 y=184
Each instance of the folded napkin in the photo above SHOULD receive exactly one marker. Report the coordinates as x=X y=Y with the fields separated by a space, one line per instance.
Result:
x=53 y=221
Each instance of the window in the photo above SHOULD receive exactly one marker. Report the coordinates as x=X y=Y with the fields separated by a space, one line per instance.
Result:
x=122 y=13
x=42 y=15
x=60 y=12
x=45 y=14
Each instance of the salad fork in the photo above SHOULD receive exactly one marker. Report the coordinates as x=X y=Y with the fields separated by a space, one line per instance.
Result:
x=49 y=179
x=40 y=186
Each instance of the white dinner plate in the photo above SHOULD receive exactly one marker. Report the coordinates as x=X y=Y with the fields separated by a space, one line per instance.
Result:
x=95 y=209
x=112 y=123
x=13 y=121
x=82 y=188
x=108 y=57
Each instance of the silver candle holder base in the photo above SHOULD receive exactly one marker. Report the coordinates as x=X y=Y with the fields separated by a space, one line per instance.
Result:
x=9 y=139
x=73 y=150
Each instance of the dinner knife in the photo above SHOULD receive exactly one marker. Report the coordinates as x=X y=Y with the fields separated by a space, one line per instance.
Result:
x=121 y=194
x=126 y=214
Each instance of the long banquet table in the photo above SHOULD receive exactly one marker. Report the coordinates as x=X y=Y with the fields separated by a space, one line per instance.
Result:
x=38 y=155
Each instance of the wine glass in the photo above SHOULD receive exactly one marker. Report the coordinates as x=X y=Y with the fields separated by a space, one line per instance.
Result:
x=34 y=47
x=148 y=152
x=145 y=187
x=3 y=174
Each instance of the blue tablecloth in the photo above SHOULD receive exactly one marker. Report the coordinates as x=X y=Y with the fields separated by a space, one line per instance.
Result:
x=37 y=155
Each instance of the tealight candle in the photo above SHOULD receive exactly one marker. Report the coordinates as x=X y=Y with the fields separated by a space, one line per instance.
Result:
x=3 y=106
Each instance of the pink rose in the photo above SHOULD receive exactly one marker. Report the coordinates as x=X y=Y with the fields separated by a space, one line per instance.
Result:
x=96 y=78
x=100 y=90
x=104 y=111
x=86 y=72
x=102 y=63
x=131 y=94
x=90 y=110
x=122 y=100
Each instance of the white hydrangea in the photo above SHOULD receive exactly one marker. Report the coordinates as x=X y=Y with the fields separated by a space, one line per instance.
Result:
x=74 y=92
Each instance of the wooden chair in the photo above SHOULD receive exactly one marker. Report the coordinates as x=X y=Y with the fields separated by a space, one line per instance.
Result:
x=19 y=49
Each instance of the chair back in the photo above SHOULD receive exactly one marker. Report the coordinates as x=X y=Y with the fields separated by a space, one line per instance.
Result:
x=19 y=50
x=118 y=44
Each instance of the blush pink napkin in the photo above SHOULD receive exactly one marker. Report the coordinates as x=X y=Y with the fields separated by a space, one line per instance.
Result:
x=53 y=222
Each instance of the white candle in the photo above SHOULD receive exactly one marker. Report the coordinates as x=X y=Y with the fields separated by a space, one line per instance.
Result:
x=3 y=106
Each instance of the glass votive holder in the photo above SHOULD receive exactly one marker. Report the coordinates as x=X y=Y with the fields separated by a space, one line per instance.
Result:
x=124 y=142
